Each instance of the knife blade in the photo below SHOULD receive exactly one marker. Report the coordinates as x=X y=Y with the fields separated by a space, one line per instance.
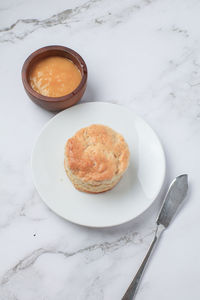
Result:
x=174 y=197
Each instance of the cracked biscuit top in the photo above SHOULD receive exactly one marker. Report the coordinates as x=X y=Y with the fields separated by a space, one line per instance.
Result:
x=97 y=153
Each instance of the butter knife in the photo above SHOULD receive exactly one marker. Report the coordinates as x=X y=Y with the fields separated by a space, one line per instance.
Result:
x=174 y=197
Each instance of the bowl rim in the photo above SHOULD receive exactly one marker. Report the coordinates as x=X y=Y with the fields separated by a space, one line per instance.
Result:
x=34 y=54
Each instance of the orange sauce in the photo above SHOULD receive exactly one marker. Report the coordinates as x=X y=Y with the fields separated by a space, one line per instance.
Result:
x=54 y=76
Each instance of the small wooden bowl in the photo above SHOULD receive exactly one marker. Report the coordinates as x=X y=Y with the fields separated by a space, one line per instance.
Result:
x=55 y=103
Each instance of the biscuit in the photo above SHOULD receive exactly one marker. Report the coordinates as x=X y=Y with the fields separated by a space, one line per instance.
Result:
x=95 y=158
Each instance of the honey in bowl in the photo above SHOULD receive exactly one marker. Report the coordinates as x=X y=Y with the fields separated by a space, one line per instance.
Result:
x=54 y=76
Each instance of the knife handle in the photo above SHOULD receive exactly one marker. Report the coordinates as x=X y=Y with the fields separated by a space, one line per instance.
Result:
x=132 y=289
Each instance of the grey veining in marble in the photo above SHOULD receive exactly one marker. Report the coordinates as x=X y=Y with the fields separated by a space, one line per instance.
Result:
x=144 y=55
x=23 y=27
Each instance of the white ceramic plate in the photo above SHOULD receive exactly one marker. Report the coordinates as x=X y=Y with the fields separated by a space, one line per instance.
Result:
x=132 y=195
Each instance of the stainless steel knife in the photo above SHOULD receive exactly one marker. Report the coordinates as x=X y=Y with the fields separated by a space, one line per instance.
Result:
x=174 y=197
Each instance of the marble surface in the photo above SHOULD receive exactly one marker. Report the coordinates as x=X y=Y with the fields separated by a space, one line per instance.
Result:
x=143 y=54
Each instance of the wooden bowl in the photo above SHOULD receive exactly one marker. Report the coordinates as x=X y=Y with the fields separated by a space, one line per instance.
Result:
x=55 y=103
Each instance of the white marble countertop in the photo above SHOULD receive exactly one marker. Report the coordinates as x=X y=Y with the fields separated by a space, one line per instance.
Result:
x=144 y=54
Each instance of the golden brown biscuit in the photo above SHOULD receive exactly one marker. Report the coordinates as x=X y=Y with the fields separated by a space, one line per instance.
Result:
x=96 y=157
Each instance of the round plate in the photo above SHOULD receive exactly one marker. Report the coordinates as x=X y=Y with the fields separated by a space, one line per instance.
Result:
x=129 y=198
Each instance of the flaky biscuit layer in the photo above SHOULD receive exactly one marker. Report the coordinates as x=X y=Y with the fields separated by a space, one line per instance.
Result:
x=96 y=158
